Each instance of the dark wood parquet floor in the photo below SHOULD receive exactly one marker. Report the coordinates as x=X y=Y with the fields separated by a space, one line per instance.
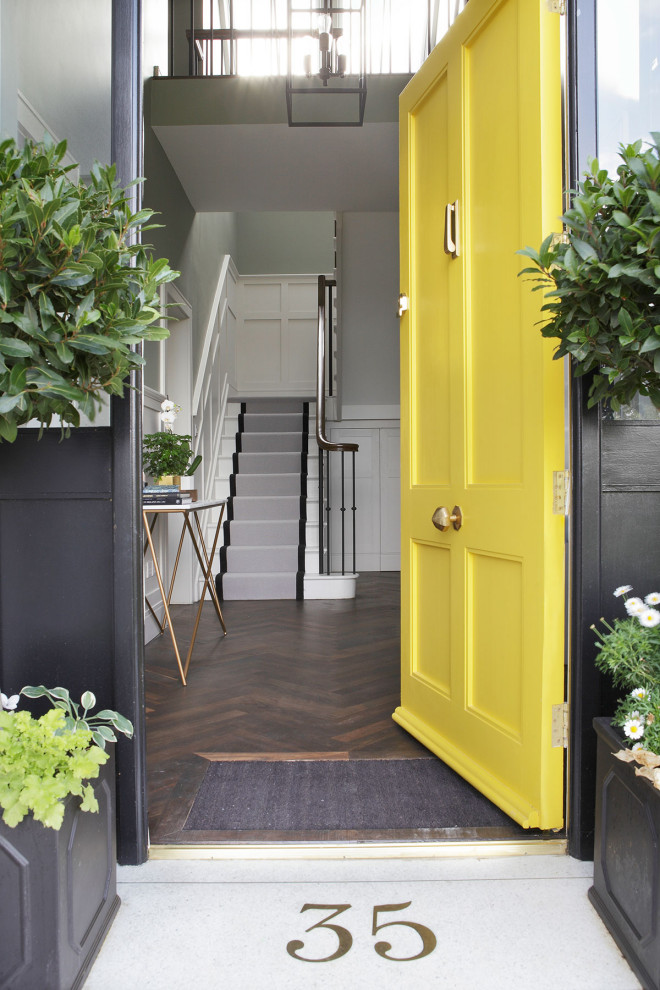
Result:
x=308 y=680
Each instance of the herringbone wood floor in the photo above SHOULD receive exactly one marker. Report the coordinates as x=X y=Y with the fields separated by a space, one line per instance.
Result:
x=291 y=679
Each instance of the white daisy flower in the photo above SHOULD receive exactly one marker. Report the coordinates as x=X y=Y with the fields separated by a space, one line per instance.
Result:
x=636 y=747
x=633 y=728
x=634 y=606
x=9 y=703
x=622 y=590
x=649 y=617
x=653 y=598
x=639 y=693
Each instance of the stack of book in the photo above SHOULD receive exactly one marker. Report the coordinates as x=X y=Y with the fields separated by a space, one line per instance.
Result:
x=165 y=495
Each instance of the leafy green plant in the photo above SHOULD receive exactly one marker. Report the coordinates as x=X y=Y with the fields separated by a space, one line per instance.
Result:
x=168 y=453
x=77 y=291
x=601 y=279
x=44 y=760
x=102 y=725
x=629 y=650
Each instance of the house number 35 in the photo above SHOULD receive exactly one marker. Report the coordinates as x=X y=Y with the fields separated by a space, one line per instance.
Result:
x=345 y=939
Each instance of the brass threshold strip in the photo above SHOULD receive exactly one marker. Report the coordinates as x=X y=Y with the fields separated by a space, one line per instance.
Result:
x=477 y=849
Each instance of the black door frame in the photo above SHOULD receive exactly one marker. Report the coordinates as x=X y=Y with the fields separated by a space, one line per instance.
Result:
x=587 y=695
x=128 y=617
x=614 y=488
x=584 y=692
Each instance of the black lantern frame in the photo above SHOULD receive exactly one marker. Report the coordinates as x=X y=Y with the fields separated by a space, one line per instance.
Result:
x=327 y=24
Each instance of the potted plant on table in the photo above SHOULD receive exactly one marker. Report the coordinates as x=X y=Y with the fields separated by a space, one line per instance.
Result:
x=168 y=457
x=627 y=841
x=57 y=862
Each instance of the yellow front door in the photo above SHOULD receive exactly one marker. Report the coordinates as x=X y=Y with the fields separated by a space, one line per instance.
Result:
x=482 y=408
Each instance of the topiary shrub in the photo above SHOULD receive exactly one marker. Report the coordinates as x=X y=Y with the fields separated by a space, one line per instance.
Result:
x=602 y=278
x=77 y=291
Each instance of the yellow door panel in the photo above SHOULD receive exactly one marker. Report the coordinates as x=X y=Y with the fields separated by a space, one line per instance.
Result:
x=431 y=583
x=429 y=166
x=482 y=409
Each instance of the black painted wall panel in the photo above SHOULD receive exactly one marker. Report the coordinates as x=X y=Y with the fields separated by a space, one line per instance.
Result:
x=629 y=457
x=56 y=580
x=630 y=524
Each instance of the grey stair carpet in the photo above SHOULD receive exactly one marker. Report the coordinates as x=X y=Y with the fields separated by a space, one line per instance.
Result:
x=263 y=556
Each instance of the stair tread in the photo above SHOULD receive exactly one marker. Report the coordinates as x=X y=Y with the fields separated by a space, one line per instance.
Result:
x=280 y=433
x=262 y=522
x=263 y=546
x=260 y=498
x=269 y=574
x=266 y=496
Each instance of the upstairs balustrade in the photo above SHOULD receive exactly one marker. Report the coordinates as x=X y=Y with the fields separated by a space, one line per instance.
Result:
x=252 y=37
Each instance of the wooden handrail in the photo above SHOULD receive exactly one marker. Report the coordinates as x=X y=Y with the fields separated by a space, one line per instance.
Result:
x=321 y=439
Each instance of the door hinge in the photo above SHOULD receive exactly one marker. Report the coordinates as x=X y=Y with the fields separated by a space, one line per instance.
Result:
x=561 y=488
x=560 y=725
x=557 y=6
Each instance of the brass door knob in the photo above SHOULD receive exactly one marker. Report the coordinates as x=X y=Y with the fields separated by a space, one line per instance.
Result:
x=442 y=519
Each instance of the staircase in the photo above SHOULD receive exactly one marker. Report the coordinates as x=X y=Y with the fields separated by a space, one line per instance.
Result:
x=263 y=556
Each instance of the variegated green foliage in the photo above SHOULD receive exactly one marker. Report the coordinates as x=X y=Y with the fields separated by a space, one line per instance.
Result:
x=77 y=291
x=44 y=760
x=41 y=763
x=601 y=281
x=102 y=725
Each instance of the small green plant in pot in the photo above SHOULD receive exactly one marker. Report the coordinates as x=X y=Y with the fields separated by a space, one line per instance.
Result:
x=77 y=289
x=601 y=279
x=169 y=454
x=44 y=760
x=629 y=651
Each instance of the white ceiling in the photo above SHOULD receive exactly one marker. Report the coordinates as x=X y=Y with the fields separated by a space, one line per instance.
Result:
x=270 y=166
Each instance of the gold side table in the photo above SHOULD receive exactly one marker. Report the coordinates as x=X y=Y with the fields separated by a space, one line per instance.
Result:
x=205 y=562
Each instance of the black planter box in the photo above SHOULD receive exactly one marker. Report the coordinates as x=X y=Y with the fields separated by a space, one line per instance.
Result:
x=627 y=857
x=58 y=893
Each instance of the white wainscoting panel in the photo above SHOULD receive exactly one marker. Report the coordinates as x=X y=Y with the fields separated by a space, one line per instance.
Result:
x=260 y=353
x=390 y=499
x=377 y=496
x=276 y=335
x=301 y=351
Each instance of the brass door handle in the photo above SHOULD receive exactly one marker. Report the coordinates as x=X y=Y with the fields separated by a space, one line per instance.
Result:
x=442 y=519
x=452 y=245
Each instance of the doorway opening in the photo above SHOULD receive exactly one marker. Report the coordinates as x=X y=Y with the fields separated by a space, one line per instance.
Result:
x=293 y=682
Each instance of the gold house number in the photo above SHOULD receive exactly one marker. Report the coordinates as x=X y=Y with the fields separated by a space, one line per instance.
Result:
x=345 y=939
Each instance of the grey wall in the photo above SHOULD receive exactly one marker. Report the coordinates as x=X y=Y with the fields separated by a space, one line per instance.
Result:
x=369 y=291
x=212 y=235
x=62 y=50
x=8 y=70
x=155 y=28
x=285 y=243
x=163 y=192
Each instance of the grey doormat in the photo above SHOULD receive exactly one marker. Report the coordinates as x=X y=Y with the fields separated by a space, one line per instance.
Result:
x=338 y=795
